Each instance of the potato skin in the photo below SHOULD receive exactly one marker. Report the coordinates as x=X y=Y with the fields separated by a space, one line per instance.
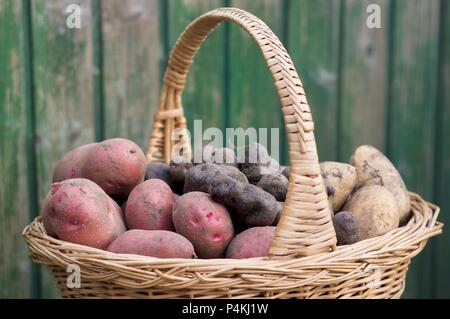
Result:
x=285 y=170
x=375 y=209
x=256 y=206
x=275 y=184
x=149 y=206
x=71 y=165
x=254 y=161
x=253 y=242
x=153 y=243
x=79 y=211
x=178 y=169
x=158 y=171
x=205 y=223
x=201 y=177
x=339 y=180
x=213 y=154
x=346 y=227
x=279 y=209
x=174 y=174
x=373 y=168
x=116 y=165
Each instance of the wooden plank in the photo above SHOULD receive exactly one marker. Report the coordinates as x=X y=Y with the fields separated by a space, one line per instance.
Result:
x=98 y=67
x=314 y=47
x=412 y=112
x=30 y=133
x=63 y=84
x=253 y=101
x=363 y=74
x=441 y=245
x=14 y=262
x=131 y=57
x=203 y=97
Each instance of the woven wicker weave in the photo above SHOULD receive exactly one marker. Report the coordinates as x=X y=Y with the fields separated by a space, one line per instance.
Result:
x=304 y=261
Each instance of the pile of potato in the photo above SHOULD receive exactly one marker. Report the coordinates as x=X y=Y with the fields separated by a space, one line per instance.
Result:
x=368 y=196
x=105 y=195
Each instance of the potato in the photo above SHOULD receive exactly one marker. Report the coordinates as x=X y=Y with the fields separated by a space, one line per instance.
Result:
x=254 y=161
x=376 y=210
x=200 y=177
x=79 y=211
x=149 y=206
x=258 y=207
x=158 y=171
x=217 y=155
x=173 y=174
x=153 y=243
x=253 y=242
x=280 y=206
x=346 y=227
x=339 y=180
x=178 y=169
x=205 y=223
x=116 y=165
x=373 y=168
x=275 y=184
x=71 y=165
x=285 y=170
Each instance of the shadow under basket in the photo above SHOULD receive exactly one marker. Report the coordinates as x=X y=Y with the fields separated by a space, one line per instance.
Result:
x=303 y=262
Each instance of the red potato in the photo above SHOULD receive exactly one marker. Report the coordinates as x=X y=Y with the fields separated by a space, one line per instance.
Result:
x=149 y=206
x=117 y=165
x=79 y=211
x=253 y=242
x=71 y=165
x=153 y=243
x=205 y=223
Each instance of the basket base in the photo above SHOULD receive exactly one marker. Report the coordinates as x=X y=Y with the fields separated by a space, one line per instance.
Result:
x=377 y=283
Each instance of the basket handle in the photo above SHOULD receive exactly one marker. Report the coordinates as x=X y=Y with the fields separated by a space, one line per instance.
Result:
x=305 y=226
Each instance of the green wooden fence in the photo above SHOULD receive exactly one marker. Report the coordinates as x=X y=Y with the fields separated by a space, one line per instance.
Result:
x=62 y=87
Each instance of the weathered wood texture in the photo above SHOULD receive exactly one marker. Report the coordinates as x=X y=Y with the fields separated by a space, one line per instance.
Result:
x=63 y=89
x=313 y=41
x=131 y=59
x=412 y=106
x=203 y=97
x=15 y=275
x=388 y=87
x=253 y=101
x=441 y=247
x=363 y=88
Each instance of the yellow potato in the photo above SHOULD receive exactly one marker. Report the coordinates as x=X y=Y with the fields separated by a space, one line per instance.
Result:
x=375 y=209
x=373 y=168
x=339 y=180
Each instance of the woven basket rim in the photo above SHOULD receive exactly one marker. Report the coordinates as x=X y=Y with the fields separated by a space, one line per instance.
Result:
x=421 y=226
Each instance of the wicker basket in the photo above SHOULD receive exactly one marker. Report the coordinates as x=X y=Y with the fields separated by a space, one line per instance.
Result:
x=304 y=261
